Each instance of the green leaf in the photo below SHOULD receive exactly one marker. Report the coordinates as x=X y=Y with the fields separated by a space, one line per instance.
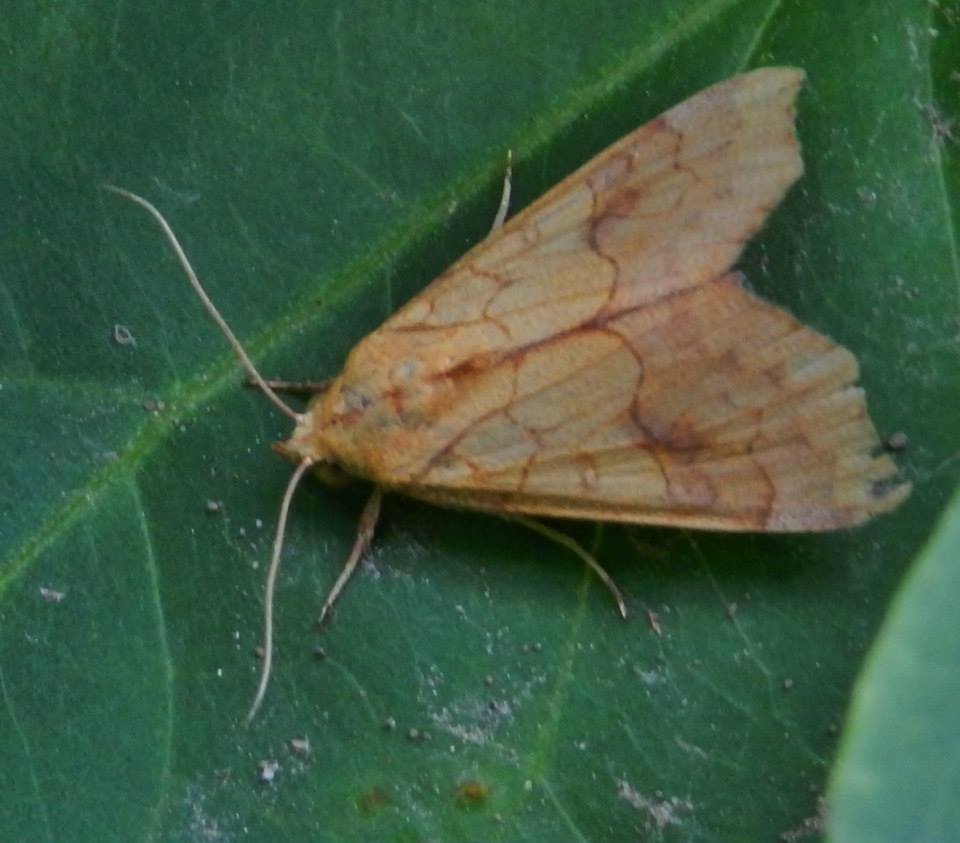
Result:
x=321 y=164
x=896 y=776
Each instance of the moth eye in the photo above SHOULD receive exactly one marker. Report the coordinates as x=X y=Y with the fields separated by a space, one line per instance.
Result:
x=331 y=474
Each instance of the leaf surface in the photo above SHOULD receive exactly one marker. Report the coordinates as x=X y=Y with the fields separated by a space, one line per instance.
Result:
x=321 y=164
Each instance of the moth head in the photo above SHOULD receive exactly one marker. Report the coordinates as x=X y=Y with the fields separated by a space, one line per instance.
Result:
x=307 y=443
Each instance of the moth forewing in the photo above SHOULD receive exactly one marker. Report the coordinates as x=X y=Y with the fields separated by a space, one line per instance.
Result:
x=596 y=358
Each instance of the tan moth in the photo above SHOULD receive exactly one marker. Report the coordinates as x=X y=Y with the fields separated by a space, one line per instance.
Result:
x=595 y=357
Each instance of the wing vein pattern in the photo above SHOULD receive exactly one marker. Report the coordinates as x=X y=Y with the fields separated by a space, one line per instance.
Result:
x=598 y=358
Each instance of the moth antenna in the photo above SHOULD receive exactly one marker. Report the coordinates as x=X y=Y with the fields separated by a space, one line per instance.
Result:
x=205 y=299
x=270 y=587
x=565 y=541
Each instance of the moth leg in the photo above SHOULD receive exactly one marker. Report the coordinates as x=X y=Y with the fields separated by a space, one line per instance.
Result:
x=565 y=541
x=296 y=387
x=504 y=205
x=368 y=521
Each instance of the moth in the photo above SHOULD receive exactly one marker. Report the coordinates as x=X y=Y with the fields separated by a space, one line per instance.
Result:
x=596 y=357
